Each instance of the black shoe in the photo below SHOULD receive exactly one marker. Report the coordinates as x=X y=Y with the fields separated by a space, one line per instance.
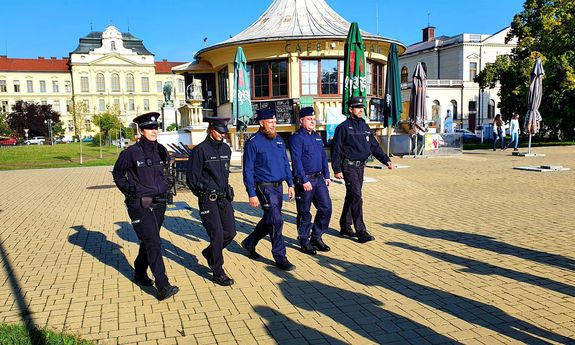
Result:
x=251 y=250
x=515 y=150
x=347 y=231
x=308 y=249
x=285 y=265
x=143 y=280
x=319 y=245
x=167 y=291
x=223 y=280
x=364 y=237
x=206 y=255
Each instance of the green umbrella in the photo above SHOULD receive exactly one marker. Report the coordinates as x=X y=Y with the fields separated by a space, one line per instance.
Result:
x=392 y=107
x=242 y=104
x=354 y=67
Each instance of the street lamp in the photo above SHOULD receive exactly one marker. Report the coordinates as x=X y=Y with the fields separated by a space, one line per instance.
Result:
x=49 y=123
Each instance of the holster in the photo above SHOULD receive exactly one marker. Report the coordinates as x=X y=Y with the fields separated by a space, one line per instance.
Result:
x=229 y=190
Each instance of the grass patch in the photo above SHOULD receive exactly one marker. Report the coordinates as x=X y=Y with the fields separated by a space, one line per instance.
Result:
x=20 y=335
x=56 y=156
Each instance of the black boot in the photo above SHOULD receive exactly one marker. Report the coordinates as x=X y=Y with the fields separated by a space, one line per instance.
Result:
x=223 y=280
x=206 y=255
x=364 y=237
x=143 y=280
x=308 y=249
x=285 y=265
x=347 y=231
x=252 y=254
x=320 y=245
x=167 y=291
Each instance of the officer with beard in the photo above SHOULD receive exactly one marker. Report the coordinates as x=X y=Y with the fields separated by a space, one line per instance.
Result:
x=265 y=167
x=352 y=144
x=139 y=174
x=208 y=178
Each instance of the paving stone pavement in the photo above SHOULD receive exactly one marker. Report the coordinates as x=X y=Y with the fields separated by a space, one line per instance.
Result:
x=467 y=250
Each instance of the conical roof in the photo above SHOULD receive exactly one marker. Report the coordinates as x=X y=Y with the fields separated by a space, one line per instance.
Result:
x=296 y=19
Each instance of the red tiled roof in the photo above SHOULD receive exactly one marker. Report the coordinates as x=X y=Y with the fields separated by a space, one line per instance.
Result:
x=165 y=67
x=34 y=65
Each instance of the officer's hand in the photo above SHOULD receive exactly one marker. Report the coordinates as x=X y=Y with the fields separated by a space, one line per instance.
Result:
x=328 y=182
x=254 y=202
x=307 y=186
x=339 y=175
x=291 y=193
x=389 y=165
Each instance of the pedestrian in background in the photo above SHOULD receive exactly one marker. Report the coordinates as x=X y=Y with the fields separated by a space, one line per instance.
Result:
x=208 y=178
x=514 y=131
x=311 y=179
x=139 y=175
x=266 y=167
x=498 y=132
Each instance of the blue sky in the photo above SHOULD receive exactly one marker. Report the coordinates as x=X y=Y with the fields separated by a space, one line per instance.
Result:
x=174 y=29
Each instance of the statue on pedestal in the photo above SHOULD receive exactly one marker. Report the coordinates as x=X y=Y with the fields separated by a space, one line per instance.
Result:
x=168 y=94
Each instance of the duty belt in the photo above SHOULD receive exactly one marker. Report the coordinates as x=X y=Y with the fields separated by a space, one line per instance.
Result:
x=314 y=175
x=269 y=184
x=213 y=195
x=353 y=163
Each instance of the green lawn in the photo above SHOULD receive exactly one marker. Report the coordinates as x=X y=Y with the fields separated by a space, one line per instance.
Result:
x=57 y=156
x=20 y=335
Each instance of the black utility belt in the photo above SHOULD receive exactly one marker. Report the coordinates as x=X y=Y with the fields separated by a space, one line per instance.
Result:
x=314 y=175
x=213 y=195
x=148 y=201
x=268 y=184
x=354 y=163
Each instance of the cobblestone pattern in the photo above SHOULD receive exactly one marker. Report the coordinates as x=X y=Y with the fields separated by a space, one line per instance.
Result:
x=467 y=250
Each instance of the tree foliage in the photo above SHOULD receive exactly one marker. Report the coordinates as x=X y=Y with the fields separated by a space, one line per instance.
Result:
x=107 y=121
x=31 y=116
x=544 y=29
x=4 y=127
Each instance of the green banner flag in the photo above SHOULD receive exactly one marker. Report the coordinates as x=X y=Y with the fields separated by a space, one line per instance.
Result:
x=354 y=67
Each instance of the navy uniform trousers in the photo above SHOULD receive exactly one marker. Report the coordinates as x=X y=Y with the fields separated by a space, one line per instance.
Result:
x=353 y=205
x=319 y=197
x=271 y=200
x=218 y=220
x=147 y=223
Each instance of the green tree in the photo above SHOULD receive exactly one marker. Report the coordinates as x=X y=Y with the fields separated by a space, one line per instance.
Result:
x=4 y=126
x=31 y=116
x=544 y=29
x=107 y=121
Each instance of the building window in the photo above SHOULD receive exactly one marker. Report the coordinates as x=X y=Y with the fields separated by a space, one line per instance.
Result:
x=113 y=46
x=181 y=86
x=29 y=86
x=56 y=105
x=100 y=83
x=329 y=77
x=84 y=84
x=117 y=104
x=131 y=105
x=88 y=125
x=115 y=82
x=472 y=70
x=145 y=84
x=70 y=125
x=454 y=105
x=404 y=74
x=67 y=86
x=4 y=107
x=491 y=109
x=435 y=107
x=269 y=79
x=160 y=105
x=3 y=86
x=223 y=85
x=55 y=86
x=42 y=86
x=43 y=102
x=146 y=104
x=159 y=87
x=86 y=103
x=101 y=104
x=322 y=77
x=16 y=85
x=377 y=81
x=69 y=106
x=130 y=82
x=309 y=79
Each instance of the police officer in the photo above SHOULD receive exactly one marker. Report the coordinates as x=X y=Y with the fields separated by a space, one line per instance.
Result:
x=353 y=142
x=207 y=177
x=139 y=174
x=311 y=177
x=266 y=166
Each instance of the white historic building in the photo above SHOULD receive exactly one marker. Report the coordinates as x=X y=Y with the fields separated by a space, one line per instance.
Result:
x=451 y=64
x=108 y=70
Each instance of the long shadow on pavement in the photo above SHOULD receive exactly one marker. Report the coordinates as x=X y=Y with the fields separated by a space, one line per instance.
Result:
x=286 y=331
x=358 y=312
x=478 y=267
x=464 y=308
x=488 y=243
x=171 y=251
x=107 y=252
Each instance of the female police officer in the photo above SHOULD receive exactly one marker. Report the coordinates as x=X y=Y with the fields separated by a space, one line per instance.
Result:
x=207 y=177
x=139 y=174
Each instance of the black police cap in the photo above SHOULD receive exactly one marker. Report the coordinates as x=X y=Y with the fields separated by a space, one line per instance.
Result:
x=356 y=102
x=147 y=120
x=219 y=123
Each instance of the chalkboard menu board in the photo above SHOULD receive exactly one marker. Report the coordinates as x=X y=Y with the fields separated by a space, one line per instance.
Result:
x=283 y=109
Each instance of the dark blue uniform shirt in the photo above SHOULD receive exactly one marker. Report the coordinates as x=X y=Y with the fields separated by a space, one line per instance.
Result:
x=354 y=140
x=265 y=160
x=307 y=155
x=209 y=166
x=141 y=168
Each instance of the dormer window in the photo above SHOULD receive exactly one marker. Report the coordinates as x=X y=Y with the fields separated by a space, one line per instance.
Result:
x=113 y=47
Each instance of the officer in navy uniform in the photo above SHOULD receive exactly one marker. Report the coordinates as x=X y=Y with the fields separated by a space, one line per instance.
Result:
x=311 y=178
x=208 y=178
x=139 y=174
x=266 y=166
x=353 y=142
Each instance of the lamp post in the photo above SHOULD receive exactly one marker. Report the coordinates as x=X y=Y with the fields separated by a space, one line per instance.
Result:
x=49 y=123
